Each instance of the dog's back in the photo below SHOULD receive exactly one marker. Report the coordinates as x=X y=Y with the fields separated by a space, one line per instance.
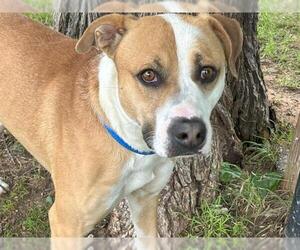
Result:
x=27 y=47
x=37 y=66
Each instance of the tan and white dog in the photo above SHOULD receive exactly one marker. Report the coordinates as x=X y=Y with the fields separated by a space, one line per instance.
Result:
x=153 y=81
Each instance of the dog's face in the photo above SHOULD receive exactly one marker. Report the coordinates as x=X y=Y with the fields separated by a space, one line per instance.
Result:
x=171 y=73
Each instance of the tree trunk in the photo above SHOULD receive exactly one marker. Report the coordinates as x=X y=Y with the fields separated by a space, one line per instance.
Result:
x=291 y=184
x=293 y=164
x=293 y=225
x=242 y=114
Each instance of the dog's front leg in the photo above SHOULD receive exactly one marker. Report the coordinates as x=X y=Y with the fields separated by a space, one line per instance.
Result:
x=76 y=211
x=66 y=221
x=143 y=202
x=143 y=208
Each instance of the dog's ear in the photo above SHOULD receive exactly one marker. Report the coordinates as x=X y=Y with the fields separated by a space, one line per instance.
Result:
x=230 y=34
x=105 y=34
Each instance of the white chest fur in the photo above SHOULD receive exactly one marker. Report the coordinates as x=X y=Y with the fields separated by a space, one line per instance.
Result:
x=148 y=172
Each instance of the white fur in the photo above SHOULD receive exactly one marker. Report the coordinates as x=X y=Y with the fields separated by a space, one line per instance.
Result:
x=143 y=174
x=126 y=127
x=161 y=170
x=191 y=101
x=139 y=171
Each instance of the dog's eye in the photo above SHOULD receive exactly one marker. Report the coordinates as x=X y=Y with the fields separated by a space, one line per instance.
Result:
x=149 y=77
x=207 y=74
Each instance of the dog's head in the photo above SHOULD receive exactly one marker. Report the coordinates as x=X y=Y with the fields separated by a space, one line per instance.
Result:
x=170 y=73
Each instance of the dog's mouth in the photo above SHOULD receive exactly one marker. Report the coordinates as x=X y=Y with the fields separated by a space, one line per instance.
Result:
x=149 y=142
x=177 y=152
x=148 y=135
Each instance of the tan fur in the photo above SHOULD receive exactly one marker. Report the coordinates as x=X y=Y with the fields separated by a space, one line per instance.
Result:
x=96 y=34
x=138 y=46
x=230 y=33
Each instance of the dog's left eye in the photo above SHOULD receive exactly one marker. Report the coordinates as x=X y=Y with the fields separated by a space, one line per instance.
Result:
x=149 y=77
x=207 y=74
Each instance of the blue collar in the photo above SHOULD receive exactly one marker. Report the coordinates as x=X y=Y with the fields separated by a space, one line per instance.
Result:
x=124 y=144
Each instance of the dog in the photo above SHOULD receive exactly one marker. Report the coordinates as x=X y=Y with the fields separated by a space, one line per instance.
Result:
x=106 y=114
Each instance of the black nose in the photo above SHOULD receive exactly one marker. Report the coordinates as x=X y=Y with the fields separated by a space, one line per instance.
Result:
x=188 y=135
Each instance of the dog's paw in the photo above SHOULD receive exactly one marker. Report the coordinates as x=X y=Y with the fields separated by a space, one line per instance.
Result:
x=4 y=188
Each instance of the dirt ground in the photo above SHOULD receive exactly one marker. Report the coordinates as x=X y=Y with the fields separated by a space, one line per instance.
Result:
x=23 y=210
x=285 y=101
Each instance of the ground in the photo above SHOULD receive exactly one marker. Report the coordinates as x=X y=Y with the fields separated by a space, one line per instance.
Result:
x=249 y=204
x=280 y=59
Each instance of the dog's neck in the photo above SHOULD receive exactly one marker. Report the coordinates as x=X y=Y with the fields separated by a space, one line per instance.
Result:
x=110 y=103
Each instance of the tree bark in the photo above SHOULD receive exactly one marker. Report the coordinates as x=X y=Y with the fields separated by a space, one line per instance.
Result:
x=242 y=114
x=293 y=226
x=250 y=110
x=292 y=169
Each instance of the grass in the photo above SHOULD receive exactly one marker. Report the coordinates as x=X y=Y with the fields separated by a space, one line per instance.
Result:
x=36 y=221
x=279 y=37
x=267 y=151
x=18 y=193
x=44 y=18
x=34 y=224
x=249 y=201
x=215 y=220
x=248 y=205
x=40 y=5
x=275 y=5
x=24 y=210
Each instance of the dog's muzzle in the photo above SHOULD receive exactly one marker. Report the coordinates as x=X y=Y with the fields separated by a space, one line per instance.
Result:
x=187 y=136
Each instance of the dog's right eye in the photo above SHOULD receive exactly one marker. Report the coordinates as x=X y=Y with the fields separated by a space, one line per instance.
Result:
x=150 y=78
x=207 y=74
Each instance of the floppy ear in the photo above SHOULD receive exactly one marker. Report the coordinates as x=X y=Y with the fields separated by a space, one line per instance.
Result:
x=230 y=34
x=105 y=34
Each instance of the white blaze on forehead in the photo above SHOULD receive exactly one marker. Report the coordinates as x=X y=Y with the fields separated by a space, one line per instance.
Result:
x=184 y=104
x=186 y=35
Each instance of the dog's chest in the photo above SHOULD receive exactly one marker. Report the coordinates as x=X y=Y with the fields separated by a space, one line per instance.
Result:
x=138 y=172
